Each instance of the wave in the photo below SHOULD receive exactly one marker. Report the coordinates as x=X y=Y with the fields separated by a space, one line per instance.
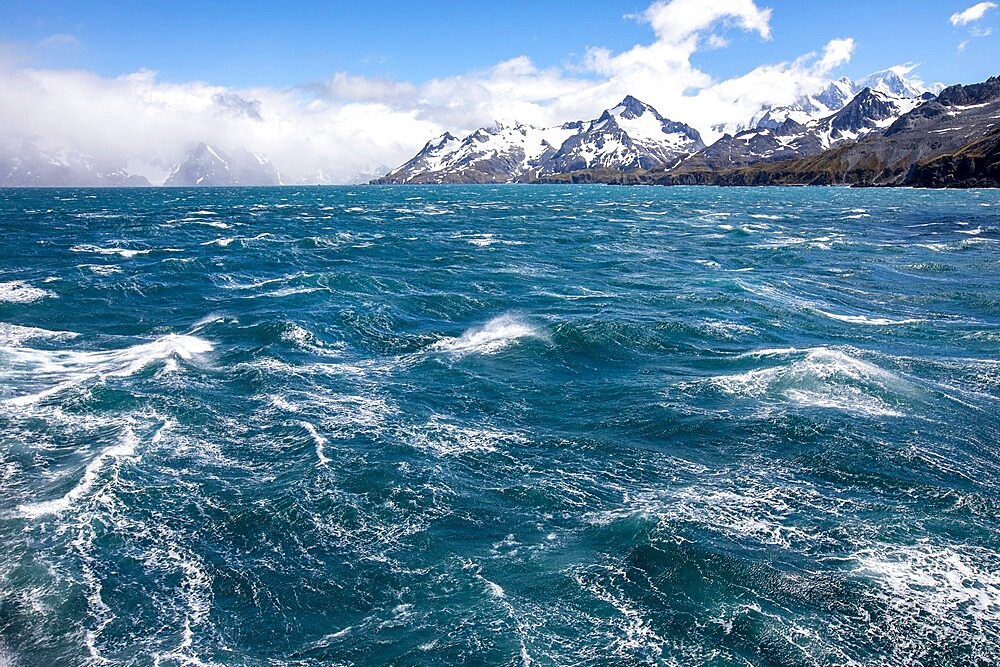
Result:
x=935 y=593
x=444 y=438
x=800 y=303
x=15 y=334
x=62 y=369
x=127 y=253
x=823 y=378
x=18 y=291
x=864 y=319
x=320 y=443
x=497 y=334
x=91 y=474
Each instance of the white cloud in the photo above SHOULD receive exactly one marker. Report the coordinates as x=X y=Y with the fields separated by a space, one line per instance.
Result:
x=972 y=14
x=838 y=52
x=332 y=130
x=677 y=21
x=59 y=39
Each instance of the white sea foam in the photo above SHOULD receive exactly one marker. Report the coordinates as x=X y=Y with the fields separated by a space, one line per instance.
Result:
x=101 y=269
x=287 y=291
x=864 y=319
x=18 y=291
x=941 y=580
x=320 y=442
x=483 y=240
x=15 y=335
x=125 y=449
x=444 y=438
x=61 y=369
x=804 y=304
x=823 y=378
x=495 y=335
x=936 y=593
x=218 y=224
x=124 y=252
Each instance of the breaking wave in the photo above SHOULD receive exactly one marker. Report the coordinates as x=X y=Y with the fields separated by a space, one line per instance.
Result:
x=494 y=336
x=823 y=378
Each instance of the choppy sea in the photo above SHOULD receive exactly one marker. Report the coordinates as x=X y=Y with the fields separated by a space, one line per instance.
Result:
x=512 y=425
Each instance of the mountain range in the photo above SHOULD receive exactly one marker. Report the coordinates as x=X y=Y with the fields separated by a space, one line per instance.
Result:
x=24 y=164
x=888 y=132
x=632 y=135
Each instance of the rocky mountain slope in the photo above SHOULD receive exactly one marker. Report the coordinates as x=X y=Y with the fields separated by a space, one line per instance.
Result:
x=868 y=112
x=955 y=123
x=975 y=165
x=207 y=165
x=632 y=135
x=832 y=98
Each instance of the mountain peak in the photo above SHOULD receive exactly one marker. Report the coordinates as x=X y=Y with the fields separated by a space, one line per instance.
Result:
x=631 y=107
x=629 y=136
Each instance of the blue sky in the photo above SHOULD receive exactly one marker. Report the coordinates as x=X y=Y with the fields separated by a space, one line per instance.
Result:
x=335 y=91
x=265 y=44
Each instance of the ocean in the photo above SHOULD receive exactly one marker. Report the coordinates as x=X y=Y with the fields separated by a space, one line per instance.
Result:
x=499 y=425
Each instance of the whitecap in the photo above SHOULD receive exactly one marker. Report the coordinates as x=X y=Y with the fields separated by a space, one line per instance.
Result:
x=18 y=291
x=320 y=443
x=123 y=450
x=61 y=369
x=288 y=291
x=823 y=378
x=101 y=269
x=864 y=319
x=14 y=334
x=495 y=335
x=934 y=590
x=127 y=253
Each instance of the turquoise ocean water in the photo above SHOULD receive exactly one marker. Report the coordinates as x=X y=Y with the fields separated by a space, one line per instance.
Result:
x=499 y=426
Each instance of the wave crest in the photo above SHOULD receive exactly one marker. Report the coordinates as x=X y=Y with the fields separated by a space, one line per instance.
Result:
x=57 y=370
x=495 y=335
x=824 y=378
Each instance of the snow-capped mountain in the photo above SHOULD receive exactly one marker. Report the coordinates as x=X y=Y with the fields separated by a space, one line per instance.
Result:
x=891 y=82
x=868 y=112
x=632 y=135
x=495 y=154
x=833 y=97
x=208 y=165
x=951 y=140
x=23 y=164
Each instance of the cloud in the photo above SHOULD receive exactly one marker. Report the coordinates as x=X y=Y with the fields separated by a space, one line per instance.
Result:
x=330 y=131
x=837 y=52
x=677 y=21
x=233 y=103
x=972 y=14
x=59 y=39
